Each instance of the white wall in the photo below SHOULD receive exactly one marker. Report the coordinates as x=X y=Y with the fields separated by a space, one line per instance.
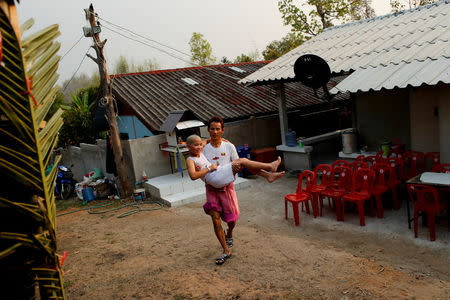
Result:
x=444 y=123
x=147 y=157
x=383 y=115
x=423 y=102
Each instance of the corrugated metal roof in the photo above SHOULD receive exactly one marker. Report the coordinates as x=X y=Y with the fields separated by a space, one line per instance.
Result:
x=153 y=95
x=400 y=75
x=397 y=43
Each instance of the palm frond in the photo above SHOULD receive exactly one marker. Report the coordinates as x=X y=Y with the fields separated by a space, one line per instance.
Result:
x=27 y=90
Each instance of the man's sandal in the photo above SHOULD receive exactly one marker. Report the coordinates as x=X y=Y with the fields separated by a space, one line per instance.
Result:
x=221 y=259
x=228 y=240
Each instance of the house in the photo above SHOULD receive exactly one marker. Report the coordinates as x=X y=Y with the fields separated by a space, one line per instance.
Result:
x=146 y=99
x=399 y=75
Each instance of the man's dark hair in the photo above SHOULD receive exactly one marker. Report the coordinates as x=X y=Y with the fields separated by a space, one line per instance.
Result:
x=215 y=119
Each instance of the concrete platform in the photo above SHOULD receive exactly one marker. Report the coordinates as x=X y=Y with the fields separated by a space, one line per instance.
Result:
x=174 y=190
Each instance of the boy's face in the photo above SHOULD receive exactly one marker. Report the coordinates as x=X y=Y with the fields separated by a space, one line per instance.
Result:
x=215 y=130
x=196 y=147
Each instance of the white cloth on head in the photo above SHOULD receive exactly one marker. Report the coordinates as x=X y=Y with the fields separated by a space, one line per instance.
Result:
x=218 y=178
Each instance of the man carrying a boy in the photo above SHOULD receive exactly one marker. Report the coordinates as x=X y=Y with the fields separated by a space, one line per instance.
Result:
x=222 y=202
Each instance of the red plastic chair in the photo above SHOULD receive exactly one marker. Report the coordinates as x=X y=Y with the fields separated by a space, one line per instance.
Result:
x=425 y=199
x=441 y=168
x=302 y=195
x=321 y=172
x=396 y=178
x=383 y=173
x=397 y=153
x=362 y=186
x=434 y=157
x=372 y=159
x=360 y=158
x=340 y=162
x=356 y=165
x=338 y=185
x=380 y=156
x=414 y=162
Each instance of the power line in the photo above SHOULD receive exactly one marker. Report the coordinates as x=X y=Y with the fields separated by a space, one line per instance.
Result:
x=157 y=48
x=84 y=56
x=174 y=56
x=71 y=47
x=144 y=43
x=144 y=37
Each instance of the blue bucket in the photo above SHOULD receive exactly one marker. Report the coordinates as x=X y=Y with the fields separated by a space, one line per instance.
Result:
x=88 y=194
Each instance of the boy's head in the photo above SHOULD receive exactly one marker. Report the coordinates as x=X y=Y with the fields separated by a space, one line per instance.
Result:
x=195 y=144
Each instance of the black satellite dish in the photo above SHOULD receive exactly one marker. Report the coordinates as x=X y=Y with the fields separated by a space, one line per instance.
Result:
x=313 y=71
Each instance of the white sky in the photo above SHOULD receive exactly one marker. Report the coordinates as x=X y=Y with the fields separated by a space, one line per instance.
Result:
x=231 y=27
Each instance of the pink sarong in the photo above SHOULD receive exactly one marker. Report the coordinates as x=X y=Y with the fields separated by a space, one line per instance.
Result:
x=222 y=200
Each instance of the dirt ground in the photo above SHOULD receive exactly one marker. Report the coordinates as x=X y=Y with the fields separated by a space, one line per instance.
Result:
x=169 y=254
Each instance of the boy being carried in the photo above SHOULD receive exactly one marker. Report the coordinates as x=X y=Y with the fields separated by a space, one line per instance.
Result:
x=220 y=176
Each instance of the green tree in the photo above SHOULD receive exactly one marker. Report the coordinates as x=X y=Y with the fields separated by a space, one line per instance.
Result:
x=252 y=56
x=224 y=60
x=77 y=82
x=201 y=50
x=147 y=65
x=243 y=58
x=362 y=11
x=277 y=48
x=399 y=5
x=57 y=103
x=77 y=126
x=121 y=66
x=324 y=14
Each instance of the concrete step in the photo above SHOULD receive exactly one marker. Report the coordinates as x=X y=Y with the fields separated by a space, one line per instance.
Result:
x=175 y=190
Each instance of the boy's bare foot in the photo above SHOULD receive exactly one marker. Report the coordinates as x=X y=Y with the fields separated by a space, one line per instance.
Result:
x=272 y=176
x=276 y=164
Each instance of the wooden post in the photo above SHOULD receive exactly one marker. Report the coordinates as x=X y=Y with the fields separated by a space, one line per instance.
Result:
x=282 y=112
x=110 y=114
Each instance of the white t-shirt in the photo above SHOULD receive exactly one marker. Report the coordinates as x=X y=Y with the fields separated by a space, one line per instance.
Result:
x=218 y=178
x=224 y=154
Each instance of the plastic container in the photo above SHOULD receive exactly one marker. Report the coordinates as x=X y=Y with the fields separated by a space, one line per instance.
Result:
x=291 y=139
x=386 y=148
x=79 y=191
x=349 y=141
x=88 y=194
x=243 y=152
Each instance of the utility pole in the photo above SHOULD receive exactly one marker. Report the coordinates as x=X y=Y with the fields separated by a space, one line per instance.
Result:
x=106 y=94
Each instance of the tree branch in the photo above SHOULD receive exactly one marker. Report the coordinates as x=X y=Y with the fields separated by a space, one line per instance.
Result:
x=93 y=58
